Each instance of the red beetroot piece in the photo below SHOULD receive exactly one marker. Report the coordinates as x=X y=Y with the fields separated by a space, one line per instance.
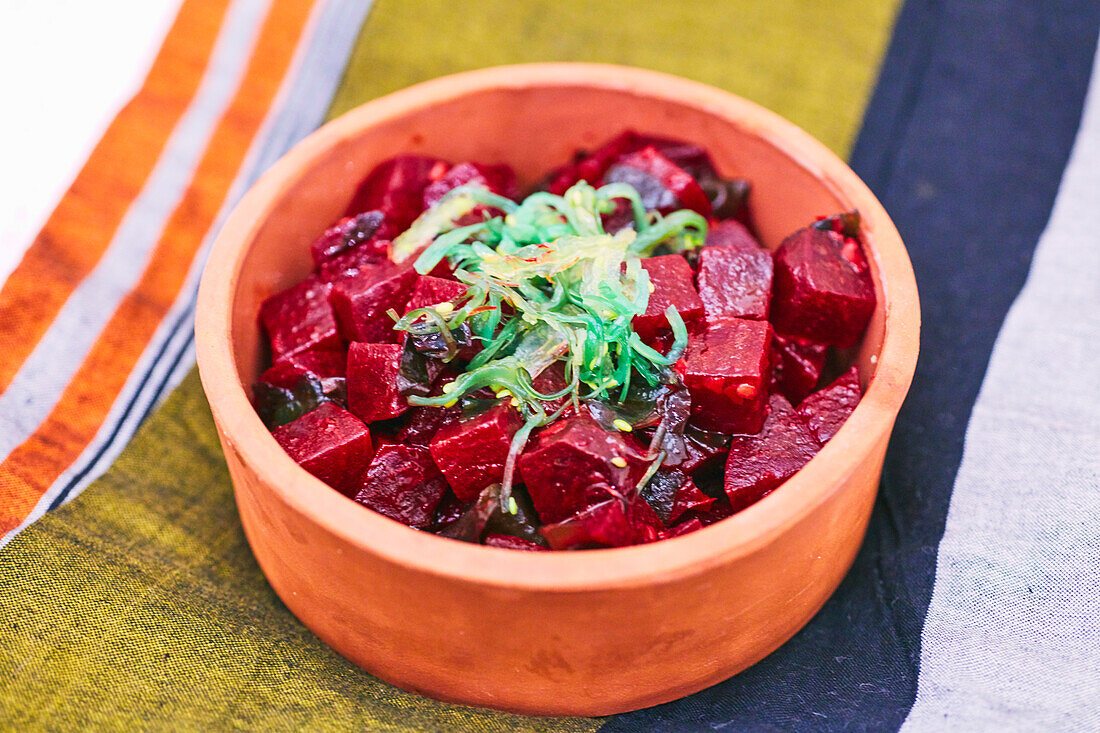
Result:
x=726 y=370
x=819 y=295
x=396 y=188
x=826 y=410
x=681 y=529
x=796 y=367
x=575 y=463
x=551 y=380
x=509 y=542
x=662 y=185
x=593 y=166
x=361 y=301
x=611 y=523
x=730 y=233
x=351 y=232
x=289 y=371
x=671 y=278
x=424 y=422
x=471 y=453
x=300 y=318
x=433 y=291
x=372 y=381
x=348 y=263
x=330 y=443
x=499 y=179
x=448 y=511
x=759 y=463
x=403 y=483
x=718 y=511
x=735 y=281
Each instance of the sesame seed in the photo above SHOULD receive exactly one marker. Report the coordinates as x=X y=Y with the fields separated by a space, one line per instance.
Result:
x=622 y=425
x=444 y=308
x=618 y=461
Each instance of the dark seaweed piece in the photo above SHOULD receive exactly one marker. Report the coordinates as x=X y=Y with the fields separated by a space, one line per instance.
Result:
x=349 y=233
x=638 y=408
x=728 y=197
x=674 y=408
x=278 y=406
x=435 y=344
x=485 y=516
x=661 y=490
x=522 y=523
x=845 y=223
x=416 y=372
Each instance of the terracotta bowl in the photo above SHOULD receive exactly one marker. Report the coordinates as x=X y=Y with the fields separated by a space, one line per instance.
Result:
x=581 y=633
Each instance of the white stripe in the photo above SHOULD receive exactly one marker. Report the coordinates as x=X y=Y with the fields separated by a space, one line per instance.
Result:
x=48 y=370
x=62 y=87
x=1012 y=636
x=298 y=109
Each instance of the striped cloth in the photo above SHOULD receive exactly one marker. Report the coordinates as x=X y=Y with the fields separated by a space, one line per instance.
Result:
x=975 y=601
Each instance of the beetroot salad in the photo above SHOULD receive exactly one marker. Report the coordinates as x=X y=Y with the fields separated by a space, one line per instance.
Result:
x=610 y=360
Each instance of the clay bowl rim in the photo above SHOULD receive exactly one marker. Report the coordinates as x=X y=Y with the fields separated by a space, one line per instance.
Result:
x=605 y=569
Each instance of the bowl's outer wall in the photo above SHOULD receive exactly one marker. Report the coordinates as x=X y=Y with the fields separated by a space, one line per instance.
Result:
x=586 y=649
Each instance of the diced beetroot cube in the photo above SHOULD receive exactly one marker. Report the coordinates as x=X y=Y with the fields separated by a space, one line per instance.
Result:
x=670 y=493
x=592 y=167
x=403 y=483
x=300 y=318
x=513 y=543
x=372 y=381
x=575 y=463
x=448 y=511
x=689 y=498
x=718 y=511
x=551 y=380
x=433 y=291
x=826 y=410
x=361 y=301
x=819 y=295
x=396 y=188
x=735 y=281
x=499 y=179
x=612 y=523
x=796 y=367
x=351 y=232
x=471 y=453
x=662 y=184
x=289 y=371
x=330 y=443
x=726 y=370
x=671 y=278
x=730 y=233
x=759 y=463
x=681 y=529
x=349 y=263
x=424 y=422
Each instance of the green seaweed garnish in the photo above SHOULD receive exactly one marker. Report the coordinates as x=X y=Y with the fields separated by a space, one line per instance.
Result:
x=546 y=283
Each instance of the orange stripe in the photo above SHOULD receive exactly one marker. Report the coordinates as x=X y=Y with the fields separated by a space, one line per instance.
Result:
x=80 y=228
x=33 y=466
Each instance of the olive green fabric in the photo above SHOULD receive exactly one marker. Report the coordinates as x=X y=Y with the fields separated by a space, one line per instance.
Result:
x=812 y=62
x=139 y=604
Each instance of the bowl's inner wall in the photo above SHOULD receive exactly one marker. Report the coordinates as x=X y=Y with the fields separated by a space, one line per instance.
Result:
x=533 y=129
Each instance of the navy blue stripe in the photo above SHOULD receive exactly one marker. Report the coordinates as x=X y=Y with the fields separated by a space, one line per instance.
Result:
x=964 y=141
